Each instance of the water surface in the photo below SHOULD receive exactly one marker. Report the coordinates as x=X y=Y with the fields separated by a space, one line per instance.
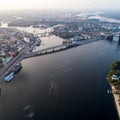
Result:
x=65 y=85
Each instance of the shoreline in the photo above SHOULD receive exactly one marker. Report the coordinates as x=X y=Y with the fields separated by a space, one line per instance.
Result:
x=116 y=97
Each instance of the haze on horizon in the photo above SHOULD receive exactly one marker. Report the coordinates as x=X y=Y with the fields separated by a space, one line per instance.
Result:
x=60 y=4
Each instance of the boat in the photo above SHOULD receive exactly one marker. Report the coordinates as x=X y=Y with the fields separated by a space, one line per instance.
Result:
x=109 y=91
x=9 y=77
x=17 y=68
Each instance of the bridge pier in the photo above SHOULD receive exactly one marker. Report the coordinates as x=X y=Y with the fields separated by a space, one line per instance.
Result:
x=109 y=37
x=119 y=38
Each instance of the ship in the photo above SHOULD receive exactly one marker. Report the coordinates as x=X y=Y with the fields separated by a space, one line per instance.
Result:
x=17 y=68
x=9 y=77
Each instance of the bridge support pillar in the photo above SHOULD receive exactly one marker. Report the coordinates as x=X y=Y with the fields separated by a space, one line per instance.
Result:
x=110 y=37
x=119 y=37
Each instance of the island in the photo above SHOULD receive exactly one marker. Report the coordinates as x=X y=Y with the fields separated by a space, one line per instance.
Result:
x=114 y=81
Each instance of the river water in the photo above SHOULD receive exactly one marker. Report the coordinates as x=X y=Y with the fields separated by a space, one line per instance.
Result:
x=65 y=85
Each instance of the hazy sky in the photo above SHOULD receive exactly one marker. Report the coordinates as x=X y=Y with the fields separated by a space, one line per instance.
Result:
x=59 y=4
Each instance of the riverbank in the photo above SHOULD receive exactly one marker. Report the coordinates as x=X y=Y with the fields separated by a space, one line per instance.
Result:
x=116 y=98
x=114 y=81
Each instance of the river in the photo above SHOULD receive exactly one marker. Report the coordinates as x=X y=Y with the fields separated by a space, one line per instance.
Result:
x=66 y=85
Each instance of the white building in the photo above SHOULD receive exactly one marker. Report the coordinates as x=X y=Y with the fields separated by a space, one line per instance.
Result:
x=26 y=39
x=115 y=77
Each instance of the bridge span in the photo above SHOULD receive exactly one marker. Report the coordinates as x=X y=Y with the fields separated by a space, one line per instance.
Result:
x=45 y=34
x=110 y=36
x=57 y=48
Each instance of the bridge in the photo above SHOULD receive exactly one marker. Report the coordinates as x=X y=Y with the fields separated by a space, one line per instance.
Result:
x=46 y=51
x=57 y=48
x=109 y=36
x=24 y=54
x=45 y=34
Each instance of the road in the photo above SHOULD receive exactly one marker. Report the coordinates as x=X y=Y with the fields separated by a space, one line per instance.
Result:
x=8 y=67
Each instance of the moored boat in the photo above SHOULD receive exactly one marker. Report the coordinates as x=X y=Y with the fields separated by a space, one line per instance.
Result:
x=9 y=77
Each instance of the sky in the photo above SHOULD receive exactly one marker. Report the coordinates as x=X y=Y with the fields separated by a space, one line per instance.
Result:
x=60 y=4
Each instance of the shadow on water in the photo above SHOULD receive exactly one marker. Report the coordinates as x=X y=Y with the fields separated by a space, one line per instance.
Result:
x=52 y=101
x=27 y=113
x=52 y=88
x=52 y=93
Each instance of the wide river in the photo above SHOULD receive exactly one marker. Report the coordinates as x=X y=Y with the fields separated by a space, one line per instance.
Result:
x=65 y=85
